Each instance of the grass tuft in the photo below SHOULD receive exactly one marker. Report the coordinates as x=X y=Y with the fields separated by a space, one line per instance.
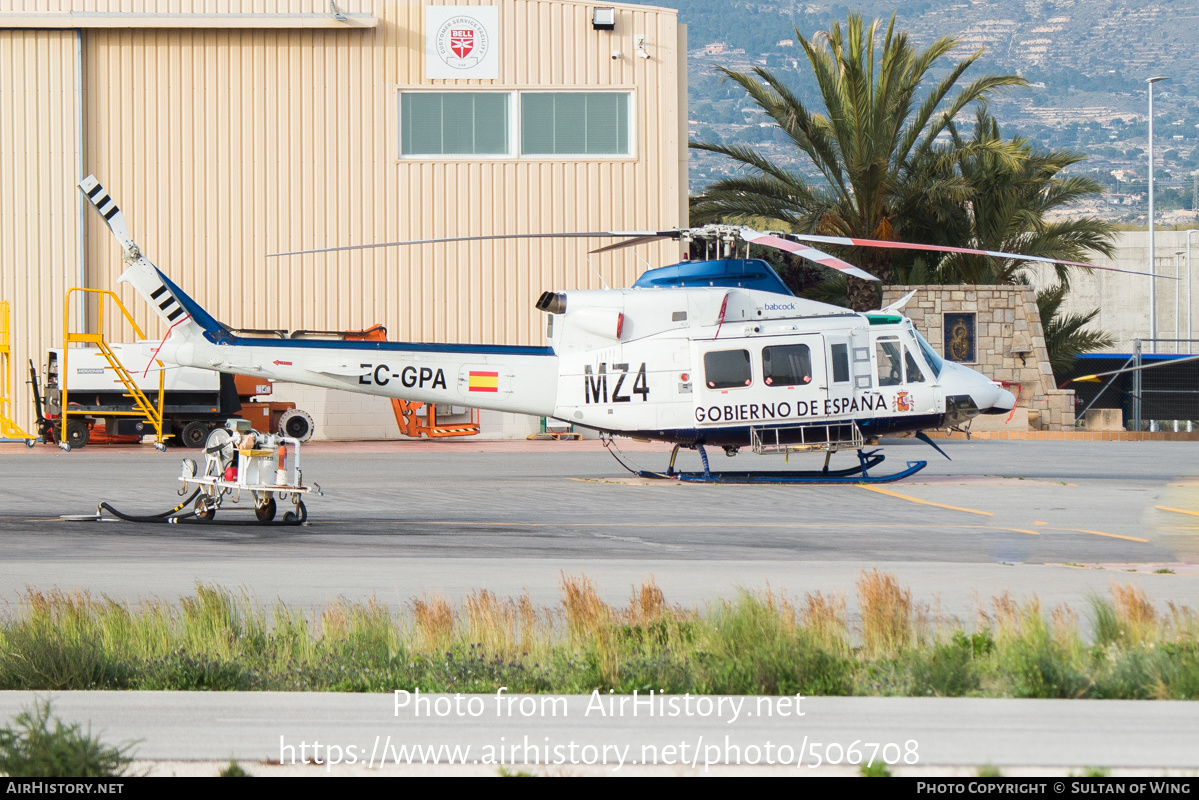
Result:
x=39 y=746
x=1135 y=614
x=825 y=620
x=886 y=613
x=434 y=618
x=875 y=769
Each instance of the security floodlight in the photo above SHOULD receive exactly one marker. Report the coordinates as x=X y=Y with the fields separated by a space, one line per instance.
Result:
x=603 y=19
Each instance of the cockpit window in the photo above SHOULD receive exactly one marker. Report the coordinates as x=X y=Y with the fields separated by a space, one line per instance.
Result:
x=787 y=365
x=930 y=355
x=890 y=363
x=914 y=373
x=727 y=369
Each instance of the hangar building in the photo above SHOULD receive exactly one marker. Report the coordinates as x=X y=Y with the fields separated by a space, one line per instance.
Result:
x=228 y=130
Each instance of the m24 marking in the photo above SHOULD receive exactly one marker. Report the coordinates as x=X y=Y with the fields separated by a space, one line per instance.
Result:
x=595 y=384
x=409 y=376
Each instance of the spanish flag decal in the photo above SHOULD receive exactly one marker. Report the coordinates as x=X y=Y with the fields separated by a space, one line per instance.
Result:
x=483 y=382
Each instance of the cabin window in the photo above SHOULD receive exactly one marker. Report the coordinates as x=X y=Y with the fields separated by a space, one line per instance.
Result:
x=787 y=365
x=727 y=369
x=840 y=354
x=889 y=362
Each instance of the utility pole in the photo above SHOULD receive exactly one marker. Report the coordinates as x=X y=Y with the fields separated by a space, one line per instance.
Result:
x=1152 y=251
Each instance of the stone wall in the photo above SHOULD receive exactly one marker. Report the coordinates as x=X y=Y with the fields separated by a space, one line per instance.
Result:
x=1009 y=344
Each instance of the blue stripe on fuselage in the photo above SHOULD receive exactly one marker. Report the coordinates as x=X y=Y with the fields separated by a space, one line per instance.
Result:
x=217 y=333
x=417 y=347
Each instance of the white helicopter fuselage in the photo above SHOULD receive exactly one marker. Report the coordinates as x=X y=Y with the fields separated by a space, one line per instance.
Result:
x=712 y=365
x=685 y=364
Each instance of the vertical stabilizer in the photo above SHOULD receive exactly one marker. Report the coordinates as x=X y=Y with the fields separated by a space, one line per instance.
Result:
x=98 y=196
x=179 y=312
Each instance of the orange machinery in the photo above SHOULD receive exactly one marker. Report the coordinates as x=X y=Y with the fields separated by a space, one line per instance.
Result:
x=270 y=415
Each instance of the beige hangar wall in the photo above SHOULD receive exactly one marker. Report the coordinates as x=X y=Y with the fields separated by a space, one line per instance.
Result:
x=39 y=222
x=227 y=131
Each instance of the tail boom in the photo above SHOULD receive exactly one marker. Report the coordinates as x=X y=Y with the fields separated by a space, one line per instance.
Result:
x=516 y=379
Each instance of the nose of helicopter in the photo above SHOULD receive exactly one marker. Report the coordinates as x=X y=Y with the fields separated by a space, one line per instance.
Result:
x=969 y=393
x=1002 y=401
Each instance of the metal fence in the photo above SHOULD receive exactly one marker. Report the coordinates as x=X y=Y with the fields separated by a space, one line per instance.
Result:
x=1155 y=390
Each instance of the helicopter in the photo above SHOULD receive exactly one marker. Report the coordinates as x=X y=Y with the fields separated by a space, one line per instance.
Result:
x=706 y=353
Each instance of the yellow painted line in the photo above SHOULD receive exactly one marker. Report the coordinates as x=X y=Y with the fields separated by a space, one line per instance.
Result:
x=717 y=525
x=1100 y=533
x=910 y=499
x=1039 y=522
x=1178 y=510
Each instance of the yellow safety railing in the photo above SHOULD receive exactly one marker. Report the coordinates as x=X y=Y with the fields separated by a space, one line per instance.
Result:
x=142 y=407
x=9 y=430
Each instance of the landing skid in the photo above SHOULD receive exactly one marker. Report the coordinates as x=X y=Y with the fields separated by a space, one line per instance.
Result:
x=858 y=474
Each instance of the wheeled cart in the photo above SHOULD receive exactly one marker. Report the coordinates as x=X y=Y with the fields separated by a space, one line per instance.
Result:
x=238 y=462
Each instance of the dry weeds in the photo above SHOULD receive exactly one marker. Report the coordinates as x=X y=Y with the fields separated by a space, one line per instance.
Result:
x=886 y=610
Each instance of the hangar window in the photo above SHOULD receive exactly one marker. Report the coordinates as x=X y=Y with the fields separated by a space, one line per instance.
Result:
x=727 y=369
x=787 y=365
x=454 y=123
x=574 y=123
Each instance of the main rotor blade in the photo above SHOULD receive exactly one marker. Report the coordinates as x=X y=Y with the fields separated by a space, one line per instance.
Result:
x=854 y=242
x=636 y=240
x=810 y=253
x=588 y=235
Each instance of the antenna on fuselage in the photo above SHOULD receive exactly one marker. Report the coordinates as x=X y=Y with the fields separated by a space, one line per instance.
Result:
x=643 y=261
x=597 y=273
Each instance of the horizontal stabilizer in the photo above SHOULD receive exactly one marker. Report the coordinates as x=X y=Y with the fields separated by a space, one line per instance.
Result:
x=339 y=369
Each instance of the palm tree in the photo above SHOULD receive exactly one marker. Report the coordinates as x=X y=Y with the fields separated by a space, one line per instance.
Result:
x=865 y=147
x=1006 y=209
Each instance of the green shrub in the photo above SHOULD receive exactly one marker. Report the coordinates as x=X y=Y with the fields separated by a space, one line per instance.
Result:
x=1178 y=671
x=186 y=671
x=1107 y=625
x=1040 y=667
x=753 y=649
x=35 y=657
x=35 y=749
x=948 y=671
x=1126 y=674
